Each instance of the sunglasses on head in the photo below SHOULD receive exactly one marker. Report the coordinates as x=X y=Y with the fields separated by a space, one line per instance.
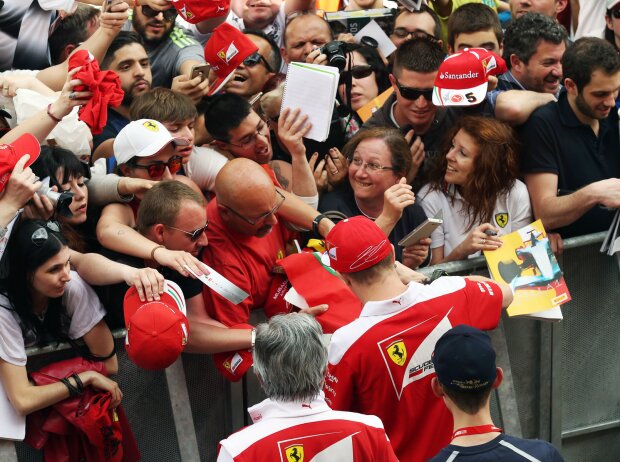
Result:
x=169 y=14
x=357 y=72
x=40 y=235
x=193 y=235
x=414 y=93
x=256 y=58
x=157 y=169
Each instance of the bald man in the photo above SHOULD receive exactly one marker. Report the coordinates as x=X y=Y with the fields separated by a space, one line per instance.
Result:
x=247 y=235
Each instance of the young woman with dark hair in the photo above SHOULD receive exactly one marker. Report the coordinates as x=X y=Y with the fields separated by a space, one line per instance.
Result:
x=476 y=186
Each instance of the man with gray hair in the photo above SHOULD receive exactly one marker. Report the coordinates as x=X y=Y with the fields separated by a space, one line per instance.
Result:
x=295 y=423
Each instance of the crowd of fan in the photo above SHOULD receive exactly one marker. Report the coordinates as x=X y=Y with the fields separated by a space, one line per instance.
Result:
x=194 y=166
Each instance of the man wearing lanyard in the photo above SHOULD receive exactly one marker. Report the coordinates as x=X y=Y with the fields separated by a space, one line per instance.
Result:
x=466 y=374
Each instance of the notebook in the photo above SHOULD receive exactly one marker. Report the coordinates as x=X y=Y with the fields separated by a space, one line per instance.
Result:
x=312 y=89
x=13 y=425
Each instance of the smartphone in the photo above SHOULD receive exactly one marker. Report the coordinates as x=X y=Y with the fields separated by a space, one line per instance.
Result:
x=105 y=6
x=425 y=229
x=201 y=70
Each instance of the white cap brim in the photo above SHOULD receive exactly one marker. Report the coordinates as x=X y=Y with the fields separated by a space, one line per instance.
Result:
x=221 y=85
x=460 y=97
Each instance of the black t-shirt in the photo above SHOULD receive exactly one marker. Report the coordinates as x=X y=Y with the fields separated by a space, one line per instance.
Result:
x=112 y=296
x=555 y=141
x=343 y=200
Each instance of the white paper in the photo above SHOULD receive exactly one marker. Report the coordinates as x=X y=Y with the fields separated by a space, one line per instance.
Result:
x=295 y=298
x=372 y=29
x=312 y=89
x=411 y=5
x=12 y=424
x=553 y=314
x=218 y=283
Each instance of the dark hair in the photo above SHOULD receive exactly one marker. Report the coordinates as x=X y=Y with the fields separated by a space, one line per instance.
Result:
x=225 y=113
x=274 y=59
x=523 y=35
x=496 y=167
x=164 y=105
x=375 y=273
x=393 y=139
x=469 y=402
x=53 y=158
x=473 y=17
x=372 y=57
x=587 y=55
x=423 y=9
x=123 y=39
x=72 y=30
x=610 y=35
x=418 y=54
x=24 y=257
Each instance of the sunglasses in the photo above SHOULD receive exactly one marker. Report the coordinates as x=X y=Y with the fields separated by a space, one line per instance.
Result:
x=414 y=93
x=194 y=235
x=254 y=59
x=401 y=32
x=40 y=235
x=615 y=13
x=357 y=72
x=169 y=14
x=157 y=169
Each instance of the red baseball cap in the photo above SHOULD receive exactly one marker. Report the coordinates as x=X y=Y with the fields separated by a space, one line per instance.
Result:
x=225 y=51
x=462 y=79
x=195 y=11
x=233 y=364
x=356 y=244
x=11 y=153
x=157 y=331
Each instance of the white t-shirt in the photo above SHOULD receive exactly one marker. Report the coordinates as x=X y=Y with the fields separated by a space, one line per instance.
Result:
x=203 y=166
x=512 y=211
x=82 y=306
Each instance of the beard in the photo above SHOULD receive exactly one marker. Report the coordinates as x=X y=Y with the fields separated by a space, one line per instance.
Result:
x=129 y=93
x=152 y=41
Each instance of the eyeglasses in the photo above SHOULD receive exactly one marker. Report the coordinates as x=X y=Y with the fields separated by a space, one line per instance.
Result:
x=402 y=33
x=40 y=235
x=194 y=235
x=157 y=169
x=615 y=13
x=256 y=58
x=357 y=72
x=169 y=15
x=414 y=93
x=255 y=221
x=371 y=167
x=261 y=129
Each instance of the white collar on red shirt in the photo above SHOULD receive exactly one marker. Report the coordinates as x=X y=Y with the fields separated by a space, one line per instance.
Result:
x=271 y=409
x=393 y=305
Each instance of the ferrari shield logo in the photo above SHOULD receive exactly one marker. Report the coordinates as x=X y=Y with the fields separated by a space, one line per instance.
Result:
x=501 y=219
x=295 y=453
x=151 y=125
x=397 y=352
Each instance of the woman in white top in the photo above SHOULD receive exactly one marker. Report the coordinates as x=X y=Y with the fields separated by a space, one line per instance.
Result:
x=42 y=301
x=476 y=187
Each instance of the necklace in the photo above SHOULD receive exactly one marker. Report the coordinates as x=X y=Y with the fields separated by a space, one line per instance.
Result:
x=362 y=212
x=477 y=430
x=41 y=316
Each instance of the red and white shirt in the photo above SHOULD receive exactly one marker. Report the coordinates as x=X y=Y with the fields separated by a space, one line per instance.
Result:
x=307 y=432
x=380 y=364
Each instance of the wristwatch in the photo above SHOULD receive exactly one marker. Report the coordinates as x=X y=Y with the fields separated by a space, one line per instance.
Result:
x=315 y=223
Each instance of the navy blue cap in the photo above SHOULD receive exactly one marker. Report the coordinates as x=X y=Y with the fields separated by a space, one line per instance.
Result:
x=464 y=359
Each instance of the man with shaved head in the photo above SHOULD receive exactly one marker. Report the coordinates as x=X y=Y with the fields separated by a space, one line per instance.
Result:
x=247 y=237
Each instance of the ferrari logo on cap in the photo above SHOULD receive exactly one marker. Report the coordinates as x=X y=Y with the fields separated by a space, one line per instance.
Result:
x=151 y=125
x=501 y=219
x=397 y=352
x=295 y=453
x=229 y=53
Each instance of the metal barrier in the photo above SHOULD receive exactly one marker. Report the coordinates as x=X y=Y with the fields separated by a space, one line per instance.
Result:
x=561 y=381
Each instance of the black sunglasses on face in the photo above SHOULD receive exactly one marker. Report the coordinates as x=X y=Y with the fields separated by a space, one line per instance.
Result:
x=193 y=235
x=256 y=58
x=169 y=15
x=357 y=72
x=615 y=13
x=414 y=93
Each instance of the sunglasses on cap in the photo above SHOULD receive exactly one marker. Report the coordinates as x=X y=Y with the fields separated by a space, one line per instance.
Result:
x=169 y=14
x=414 y=93
x=357 y=72
x=256 y=58
x=157 y=169
x=193 y=235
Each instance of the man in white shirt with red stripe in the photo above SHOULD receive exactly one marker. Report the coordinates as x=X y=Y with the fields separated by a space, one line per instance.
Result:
x=381 y=364
x=295 y=424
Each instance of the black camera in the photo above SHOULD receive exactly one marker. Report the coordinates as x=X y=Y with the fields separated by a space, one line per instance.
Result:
x=336 y=53
x=61 y=200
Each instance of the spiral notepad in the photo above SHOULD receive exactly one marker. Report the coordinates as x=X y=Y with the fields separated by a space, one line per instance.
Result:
x=312 y=88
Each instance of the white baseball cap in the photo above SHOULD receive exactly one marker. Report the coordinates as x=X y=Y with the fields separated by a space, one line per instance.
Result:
x=143 y=138
x=612 y=3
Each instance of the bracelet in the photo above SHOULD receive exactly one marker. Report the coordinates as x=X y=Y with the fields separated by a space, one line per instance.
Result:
x=253 y=341
x=315 y=223
x=73 y=391
x=79 y=383
x=153 y=251
x=52 y=116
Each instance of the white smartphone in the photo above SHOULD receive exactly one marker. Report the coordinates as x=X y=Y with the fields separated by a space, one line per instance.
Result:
x=423 y=230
